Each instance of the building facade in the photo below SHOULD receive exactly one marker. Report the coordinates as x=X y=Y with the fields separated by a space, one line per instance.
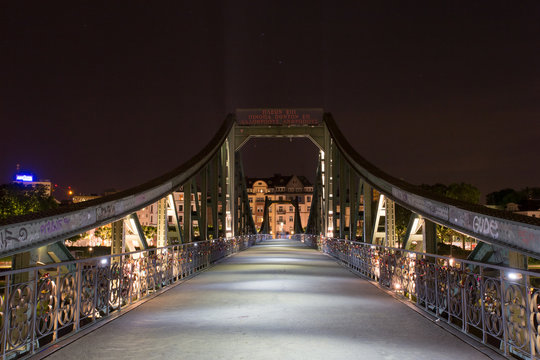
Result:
x=280 y=188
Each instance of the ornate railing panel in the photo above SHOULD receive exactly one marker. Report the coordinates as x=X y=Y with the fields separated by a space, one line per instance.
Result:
x=498 y=306
x=39 y=306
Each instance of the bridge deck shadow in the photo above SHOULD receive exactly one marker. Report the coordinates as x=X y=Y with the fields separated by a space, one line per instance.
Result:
x=279 y=299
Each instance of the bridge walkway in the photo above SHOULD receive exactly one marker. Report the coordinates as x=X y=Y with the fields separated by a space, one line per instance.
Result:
x=277 y=300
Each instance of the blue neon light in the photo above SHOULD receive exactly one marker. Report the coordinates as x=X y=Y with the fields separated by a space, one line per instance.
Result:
x=28 y=178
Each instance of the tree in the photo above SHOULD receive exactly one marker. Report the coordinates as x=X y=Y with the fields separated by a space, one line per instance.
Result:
x=505 y=196
x=72 y=240
x=17 y=199
x=402 y=221
x=461 y=191
x=103 y=232
x=149 y=231
x=464 y=192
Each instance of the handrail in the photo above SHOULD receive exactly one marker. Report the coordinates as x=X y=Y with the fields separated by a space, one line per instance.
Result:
x=495 y=305
x=37 y=229
x=44 y=305
x=513 y=231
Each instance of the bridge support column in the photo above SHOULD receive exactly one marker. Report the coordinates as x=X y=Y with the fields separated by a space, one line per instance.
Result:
x=214 y=196
x=367 y=231
x=327 y=194
x=353 y=202
x=20 y=261
x=335 y=181
x=430 y=237
x=223 y=190
x=188 y=226
x=231 y=185
x=172 y=211
x=390 y=222
x=118 y=240
x=136 y=225
x=195 y=193
x=342 y=196
x=162 y=223
x=297 y=219
x=203 y=220
x=517 y=260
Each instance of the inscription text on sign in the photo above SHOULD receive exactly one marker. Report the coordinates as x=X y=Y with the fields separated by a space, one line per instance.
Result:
x=279 y=116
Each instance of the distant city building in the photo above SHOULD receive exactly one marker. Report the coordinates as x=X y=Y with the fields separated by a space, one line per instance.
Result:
x=82 y=198
x=530 y=207
x=30 y=180
x=278 y=187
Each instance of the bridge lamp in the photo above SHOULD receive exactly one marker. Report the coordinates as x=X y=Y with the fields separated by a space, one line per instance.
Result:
x=514 y=276
x=451 y=262
x=104 y=261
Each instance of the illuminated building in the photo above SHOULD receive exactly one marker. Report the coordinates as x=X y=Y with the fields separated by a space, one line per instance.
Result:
x=279 y=187
x=29 y=180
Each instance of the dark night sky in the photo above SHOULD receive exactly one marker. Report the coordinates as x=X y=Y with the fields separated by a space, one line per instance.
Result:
x=110 y=94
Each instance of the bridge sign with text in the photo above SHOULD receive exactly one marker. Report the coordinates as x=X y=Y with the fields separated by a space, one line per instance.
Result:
x=279 y=116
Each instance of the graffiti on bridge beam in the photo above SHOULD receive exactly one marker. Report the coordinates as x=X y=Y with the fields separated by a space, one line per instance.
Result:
x=20 y=236
x=483 y=225
x=52 y=226
x=512 y=233
x=7 y=235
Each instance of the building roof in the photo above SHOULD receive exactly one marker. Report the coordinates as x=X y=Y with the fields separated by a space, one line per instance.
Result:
x=278 y=180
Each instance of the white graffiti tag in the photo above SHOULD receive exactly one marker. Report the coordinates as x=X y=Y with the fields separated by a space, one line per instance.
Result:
x=486 y=226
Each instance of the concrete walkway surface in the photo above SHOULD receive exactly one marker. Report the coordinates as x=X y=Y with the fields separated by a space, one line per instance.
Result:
x=278 y=300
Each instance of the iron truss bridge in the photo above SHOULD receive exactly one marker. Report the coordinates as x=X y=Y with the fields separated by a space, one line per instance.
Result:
x=345 y=181
x=352 y=200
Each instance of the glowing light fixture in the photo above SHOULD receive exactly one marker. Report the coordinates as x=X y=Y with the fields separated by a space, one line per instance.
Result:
x=25 y=178
x=514 y=276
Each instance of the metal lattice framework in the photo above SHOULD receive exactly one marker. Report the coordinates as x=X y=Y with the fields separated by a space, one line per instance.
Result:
x=352 y=199
x=345 y=178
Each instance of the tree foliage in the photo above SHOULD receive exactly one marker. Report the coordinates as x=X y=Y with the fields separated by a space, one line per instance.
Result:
x=505 y=196
x=17 y=199
x=149 y=231
x=103 y=232
x=458 y=191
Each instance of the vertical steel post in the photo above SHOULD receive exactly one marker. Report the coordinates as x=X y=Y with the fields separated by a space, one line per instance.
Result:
x=231 y=208
x=327 y=192
x=162 y=222
x=368 y=213
x=430 y=237
x=187 y=212
x=353 y=202
x=223 y=189
x=118 y=238
x=214 y=195
x=390 y=222
x=203 y=221
x=342 y=195
x=335 y=183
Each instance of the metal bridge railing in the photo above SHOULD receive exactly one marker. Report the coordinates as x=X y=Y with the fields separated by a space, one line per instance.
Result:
x=41 y=305
x=498 y=306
